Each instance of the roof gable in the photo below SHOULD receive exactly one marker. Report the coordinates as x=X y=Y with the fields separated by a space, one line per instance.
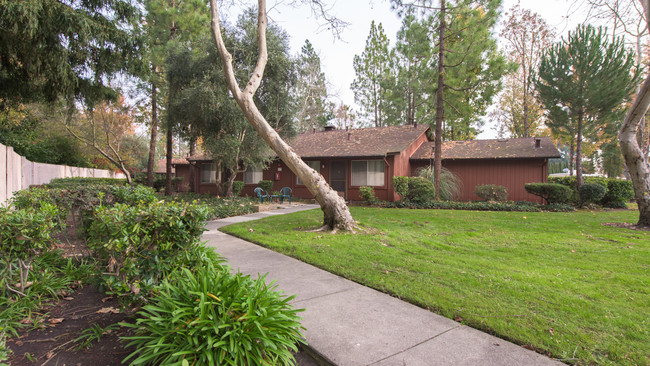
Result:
x=490 y=149
x=362 y=142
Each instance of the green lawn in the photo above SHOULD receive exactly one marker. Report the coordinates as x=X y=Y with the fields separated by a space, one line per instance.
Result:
x=559 y=282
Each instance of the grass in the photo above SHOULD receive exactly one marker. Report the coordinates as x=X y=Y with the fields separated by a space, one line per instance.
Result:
x=558 y=282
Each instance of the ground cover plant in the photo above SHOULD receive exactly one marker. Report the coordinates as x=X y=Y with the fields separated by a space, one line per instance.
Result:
x=560 y=283
x=218 y=207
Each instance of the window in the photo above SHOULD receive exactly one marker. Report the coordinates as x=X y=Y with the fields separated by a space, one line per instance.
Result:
x=312 y=164
x=368 y=173
x=208 y=173
x=252 y=175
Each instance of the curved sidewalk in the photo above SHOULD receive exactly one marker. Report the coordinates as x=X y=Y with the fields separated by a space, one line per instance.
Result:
x=350 y=324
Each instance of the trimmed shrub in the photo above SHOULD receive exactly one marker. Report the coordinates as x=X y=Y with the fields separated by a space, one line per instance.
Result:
x=420 y=190
x=266 y=185
x=619 y=191
x=492 y=192
x=368 y=195
x=75 y=182
x=401 y=186
x=522 y=206
x=139 y=245
x=592 y=192
x=213 y=317
x=551 y=192
x=237 y=187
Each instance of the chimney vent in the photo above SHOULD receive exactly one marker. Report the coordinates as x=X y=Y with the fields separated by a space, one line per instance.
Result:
x=538 y=142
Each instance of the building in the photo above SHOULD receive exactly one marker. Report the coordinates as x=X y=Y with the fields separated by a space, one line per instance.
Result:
x=349 y=159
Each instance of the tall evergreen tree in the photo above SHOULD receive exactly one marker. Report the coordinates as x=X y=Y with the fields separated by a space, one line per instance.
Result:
x=583 y=80
x=66 y=48
x=373 y=74
x=314 y=110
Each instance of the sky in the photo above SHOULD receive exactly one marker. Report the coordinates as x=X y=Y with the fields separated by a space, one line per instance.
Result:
x=337 y=54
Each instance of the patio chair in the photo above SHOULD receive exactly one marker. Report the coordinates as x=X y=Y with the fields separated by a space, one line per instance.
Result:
x=285 y=192
x=261 y=194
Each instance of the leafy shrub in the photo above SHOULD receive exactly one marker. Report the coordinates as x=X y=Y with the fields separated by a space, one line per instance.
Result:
x=133 y=194
x=139 y=245
x=367 y=195
x=401 y=186
x=522 y=206
x=492 y=192
x=24 y=234
x=551 y=192
x=237 y=187
x=592 y=192
x=618 y=190
x=75 y=182
x=266 y=185
x=616 y=204
x=420 y=190
x=218 y=207
x=450 y=184
x=215 y=318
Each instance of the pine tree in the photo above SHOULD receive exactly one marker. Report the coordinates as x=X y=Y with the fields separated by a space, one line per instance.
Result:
x=583 y=80
x=373 y=73
x=314 y=110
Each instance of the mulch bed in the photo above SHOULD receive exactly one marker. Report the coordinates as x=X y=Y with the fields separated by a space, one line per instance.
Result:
x=53 y=341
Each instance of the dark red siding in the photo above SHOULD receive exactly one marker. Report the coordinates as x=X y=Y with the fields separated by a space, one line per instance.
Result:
x=510 y=173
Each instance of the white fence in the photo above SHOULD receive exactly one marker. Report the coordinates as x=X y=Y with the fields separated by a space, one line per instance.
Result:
x=16 y=173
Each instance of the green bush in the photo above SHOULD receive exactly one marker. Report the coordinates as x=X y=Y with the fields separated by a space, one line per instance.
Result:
x=420 y=190
x=492 y=192
x=592 y=193
x=551 y=192
x=24 y=235
x=522 y=206
x=218 y=207
x=213 y=317
x=139 y=245
x=367 y=195
x=132 y=195
x=450 y=184
x=266 y=185
x=618 y=190
x=237 y=187
x=401 y=186
x=75 y=182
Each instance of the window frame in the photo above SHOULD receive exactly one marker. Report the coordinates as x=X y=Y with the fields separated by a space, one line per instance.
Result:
x=376 y=162
x=212 y=169
x=253 y=171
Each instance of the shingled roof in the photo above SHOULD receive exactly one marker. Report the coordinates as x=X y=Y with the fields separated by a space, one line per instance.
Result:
x=361 y=142
x=490 y=149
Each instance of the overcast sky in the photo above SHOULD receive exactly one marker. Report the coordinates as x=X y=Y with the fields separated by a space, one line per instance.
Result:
x=337 y=54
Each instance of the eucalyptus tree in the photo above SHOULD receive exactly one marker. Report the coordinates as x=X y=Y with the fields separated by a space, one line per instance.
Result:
x=336 y=215
x=584 y=79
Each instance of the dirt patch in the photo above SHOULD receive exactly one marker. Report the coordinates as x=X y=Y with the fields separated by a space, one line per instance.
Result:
x=53 y=342
x=626 y=225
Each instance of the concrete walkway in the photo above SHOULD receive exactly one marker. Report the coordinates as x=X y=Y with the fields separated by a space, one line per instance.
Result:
x=350 y=324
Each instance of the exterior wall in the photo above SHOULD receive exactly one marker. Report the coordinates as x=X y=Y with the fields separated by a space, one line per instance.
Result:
x=510 y=173
x=402 y=166
x=288 y=179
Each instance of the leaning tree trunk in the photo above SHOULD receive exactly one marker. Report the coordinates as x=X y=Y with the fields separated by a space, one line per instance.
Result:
x=335 y=211
x=634 y=159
